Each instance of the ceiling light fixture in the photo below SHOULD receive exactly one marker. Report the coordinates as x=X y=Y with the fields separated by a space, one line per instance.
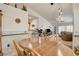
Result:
x=60 y=18
x=51 y=3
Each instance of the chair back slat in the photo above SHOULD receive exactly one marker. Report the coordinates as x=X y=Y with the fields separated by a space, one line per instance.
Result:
x=19 y=49
x=32 y=52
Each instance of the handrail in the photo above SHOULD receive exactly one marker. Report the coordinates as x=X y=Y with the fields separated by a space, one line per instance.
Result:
x=14 y=34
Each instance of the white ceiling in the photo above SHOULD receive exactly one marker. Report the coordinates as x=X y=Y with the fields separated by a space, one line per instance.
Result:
x=50 y=12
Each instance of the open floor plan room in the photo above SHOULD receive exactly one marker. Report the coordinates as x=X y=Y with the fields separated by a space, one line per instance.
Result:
x=39 y=29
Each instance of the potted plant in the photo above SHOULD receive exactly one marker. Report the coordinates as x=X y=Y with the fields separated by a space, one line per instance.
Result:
x=15 y=5
x=24 y=8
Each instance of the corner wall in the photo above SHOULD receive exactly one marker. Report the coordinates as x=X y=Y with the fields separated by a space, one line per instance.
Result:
x=9 y=26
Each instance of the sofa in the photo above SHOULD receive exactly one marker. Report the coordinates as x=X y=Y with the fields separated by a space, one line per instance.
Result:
x=66 y=36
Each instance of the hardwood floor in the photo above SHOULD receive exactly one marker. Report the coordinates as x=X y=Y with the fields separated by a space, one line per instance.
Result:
x=48 y=47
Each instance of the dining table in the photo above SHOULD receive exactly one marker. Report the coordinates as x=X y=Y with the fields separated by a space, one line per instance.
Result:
x=47 y=47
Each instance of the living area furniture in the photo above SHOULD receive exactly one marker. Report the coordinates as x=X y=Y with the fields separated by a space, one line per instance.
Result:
x=24 y=52
x=66 y=36
x=19 y=49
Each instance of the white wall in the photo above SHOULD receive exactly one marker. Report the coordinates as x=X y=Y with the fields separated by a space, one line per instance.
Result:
x=42 y=22
x=76 y=19
x=7 y=51
x=76 y=24
x=9 y=26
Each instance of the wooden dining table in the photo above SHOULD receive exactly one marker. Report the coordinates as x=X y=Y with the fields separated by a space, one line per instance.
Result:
x=46 y=47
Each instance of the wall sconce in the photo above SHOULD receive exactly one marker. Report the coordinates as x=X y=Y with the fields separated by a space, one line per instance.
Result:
x=17 y=20
x=33 y=25
x=0 y=10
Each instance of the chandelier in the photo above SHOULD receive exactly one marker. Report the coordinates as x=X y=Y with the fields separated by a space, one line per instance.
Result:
x=60 y=17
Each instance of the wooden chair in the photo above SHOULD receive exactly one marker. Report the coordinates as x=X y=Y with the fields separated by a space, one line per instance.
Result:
x=19 y=49
x=31 y=52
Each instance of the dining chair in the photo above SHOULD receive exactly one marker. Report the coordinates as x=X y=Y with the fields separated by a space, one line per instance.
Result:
x=31 y=52
x=19 y=49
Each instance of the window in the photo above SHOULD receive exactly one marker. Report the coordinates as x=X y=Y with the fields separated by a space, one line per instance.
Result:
x=68 y=28
x=61 y=28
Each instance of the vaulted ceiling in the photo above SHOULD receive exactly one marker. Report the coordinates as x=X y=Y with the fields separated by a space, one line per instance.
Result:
x=50 y=12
